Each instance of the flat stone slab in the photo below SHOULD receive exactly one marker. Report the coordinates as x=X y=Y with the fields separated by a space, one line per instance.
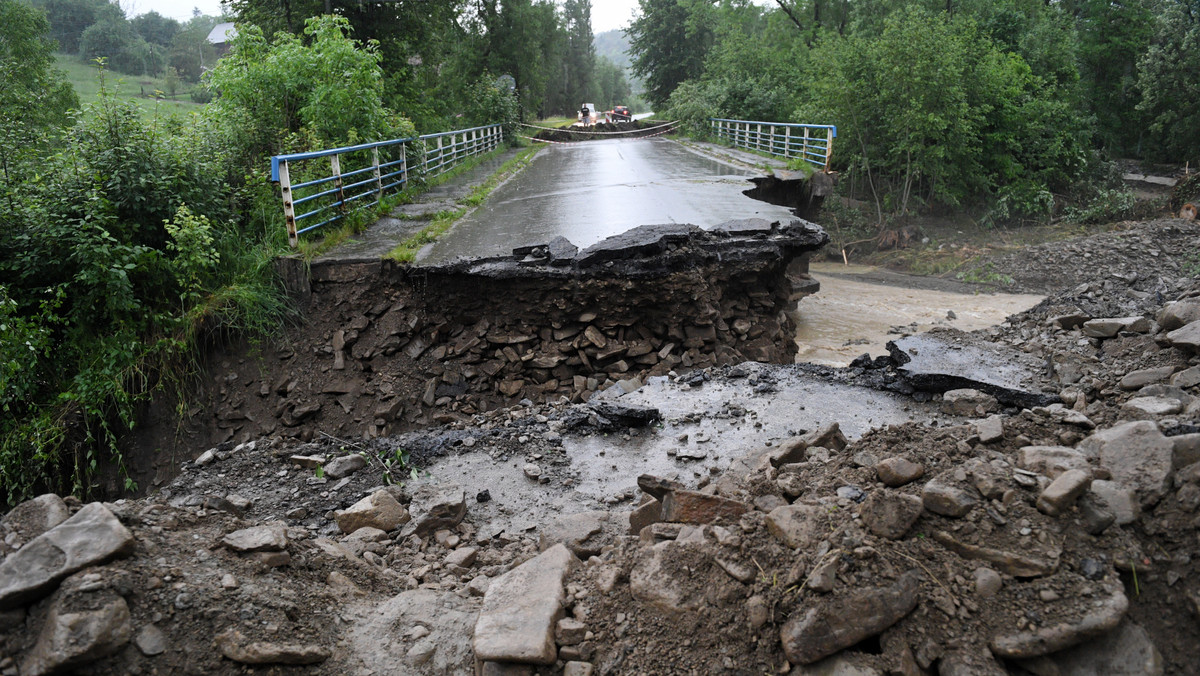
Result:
x=90 y=537
x=520 y=609
x=950 y=360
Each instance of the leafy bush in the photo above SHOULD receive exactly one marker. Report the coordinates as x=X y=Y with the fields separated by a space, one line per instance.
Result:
x=1109 y=204
x=117 y=258
x=332 y=87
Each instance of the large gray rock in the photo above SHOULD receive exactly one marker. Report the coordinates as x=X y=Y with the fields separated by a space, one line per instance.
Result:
x=898 y=471
x=1119 y=501
x=1050 y=460
x=378 y=510
x=1110 y=326
x=1179 y=314
x=90 y=537
x=344 y=466
x=889 y=514
x=436 y=507
x=520 y=609
x=968 y=402
x=1138 y=455
x=1124 y=651
x=840 y=622
x=1098 y=619
x=799 y=524
x=947 y=499
x=269 y=538
x=1135 y=380
x=1186 y=338
x=76 y=638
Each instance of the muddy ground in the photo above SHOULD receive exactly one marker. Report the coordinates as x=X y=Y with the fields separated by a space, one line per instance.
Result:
x=999 y=582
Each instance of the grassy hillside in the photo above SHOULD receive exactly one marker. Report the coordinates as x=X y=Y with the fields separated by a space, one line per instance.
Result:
x=140 y=88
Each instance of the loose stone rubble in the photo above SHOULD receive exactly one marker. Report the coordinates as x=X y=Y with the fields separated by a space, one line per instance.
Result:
x=1054 y=531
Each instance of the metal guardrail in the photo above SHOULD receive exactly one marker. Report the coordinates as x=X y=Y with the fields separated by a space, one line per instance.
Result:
x=812 y=142
x=373 y=169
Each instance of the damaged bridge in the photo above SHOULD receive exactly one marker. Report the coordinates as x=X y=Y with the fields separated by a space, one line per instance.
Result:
x=408 y=346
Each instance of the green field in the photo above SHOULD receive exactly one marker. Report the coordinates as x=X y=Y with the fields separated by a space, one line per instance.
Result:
x=84 y=77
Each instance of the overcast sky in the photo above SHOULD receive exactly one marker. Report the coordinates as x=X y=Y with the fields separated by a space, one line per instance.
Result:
x=606 y=14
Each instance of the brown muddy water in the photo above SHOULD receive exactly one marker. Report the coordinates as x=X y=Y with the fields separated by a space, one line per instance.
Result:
x=851 y=315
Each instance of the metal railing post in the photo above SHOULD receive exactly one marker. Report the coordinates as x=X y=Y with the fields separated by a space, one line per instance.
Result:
x=828 y=147
x=804 y=148
x=335 y=162
x=289 y=209
x=404 y=165
x=378 y=175
x=787 y=141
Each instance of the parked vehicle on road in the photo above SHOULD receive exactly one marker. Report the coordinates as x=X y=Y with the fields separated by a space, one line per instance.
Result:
x=621 y=114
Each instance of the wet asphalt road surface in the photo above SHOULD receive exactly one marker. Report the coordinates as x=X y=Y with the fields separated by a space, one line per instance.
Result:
x=591 y=190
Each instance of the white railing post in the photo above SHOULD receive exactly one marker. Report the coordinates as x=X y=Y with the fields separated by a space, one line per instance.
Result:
x=335 y=163
x=787 y=141
x=289 y=209
x=378 y=175
x=804 y=147
x=404 y=165
x=828 y=147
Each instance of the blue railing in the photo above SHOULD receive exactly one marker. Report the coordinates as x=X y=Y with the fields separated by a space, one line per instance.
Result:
x=811 y=142
x=361 y=175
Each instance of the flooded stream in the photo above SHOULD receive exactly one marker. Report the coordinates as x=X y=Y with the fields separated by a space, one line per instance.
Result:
x=850 y=315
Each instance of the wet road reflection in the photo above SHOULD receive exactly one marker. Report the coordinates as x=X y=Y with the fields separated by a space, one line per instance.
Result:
x=592 y=190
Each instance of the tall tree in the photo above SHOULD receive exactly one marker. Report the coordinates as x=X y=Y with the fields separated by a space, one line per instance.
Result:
x=580 y=57
x=33 y=95
x=1168 y=82
x=669 y=40
x=155 y=28
x=69 y=18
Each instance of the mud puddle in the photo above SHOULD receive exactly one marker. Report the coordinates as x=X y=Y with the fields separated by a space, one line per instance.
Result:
x=851 y=315
x=703 y=429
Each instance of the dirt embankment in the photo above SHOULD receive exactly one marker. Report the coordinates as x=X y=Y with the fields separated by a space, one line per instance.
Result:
x=1056 y=539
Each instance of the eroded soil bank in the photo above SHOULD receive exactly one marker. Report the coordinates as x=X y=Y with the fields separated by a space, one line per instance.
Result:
x=792 y=519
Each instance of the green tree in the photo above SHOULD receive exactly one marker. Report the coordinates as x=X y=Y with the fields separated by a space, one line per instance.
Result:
x=610 y=79
x=580 y=56
x=931 y=111
x=1112 y=36
x=1169 y=84
x=156 y=28
x=190 y=51
x=69 y=18
x=330 y=89
x=34 y=97
x=668 y=42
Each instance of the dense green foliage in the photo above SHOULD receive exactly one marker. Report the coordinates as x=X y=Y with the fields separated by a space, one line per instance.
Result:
x=1004 y=106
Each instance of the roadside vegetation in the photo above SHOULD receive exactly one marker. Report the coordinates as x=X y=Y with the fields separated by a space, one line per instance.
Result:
x=995 y=114
x=131 y=238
